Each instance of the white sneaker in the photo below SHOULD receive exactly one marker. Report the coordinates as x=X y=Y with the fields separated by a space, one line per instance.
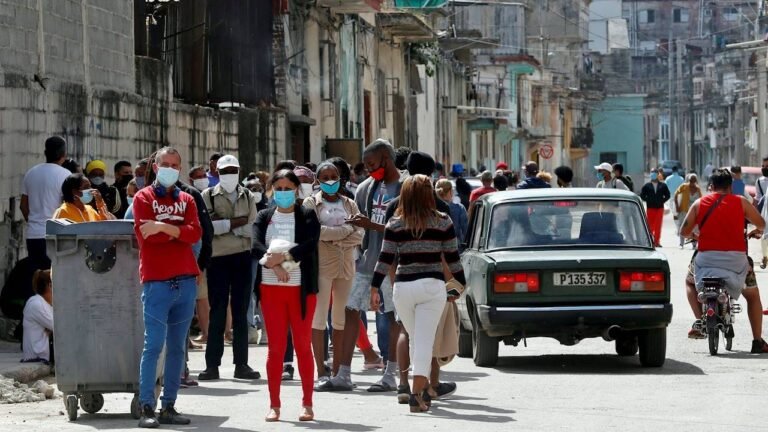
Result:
x=253 y=335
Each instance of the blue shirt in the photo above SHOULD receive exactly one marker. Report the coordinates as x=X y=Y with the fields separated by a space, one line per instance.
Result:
x=738 y=186
x=212 y=179
x=673 y=182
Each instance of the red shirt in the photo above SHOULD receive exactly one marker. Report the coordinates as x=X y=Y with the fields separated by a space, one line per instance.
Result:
x=724 y=229
x=162 y=257
x=477 y=193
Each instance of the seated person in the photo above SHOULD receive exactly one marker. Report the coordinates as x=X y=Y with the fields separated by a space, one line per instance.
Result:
x=76 y=191
x=38 y=320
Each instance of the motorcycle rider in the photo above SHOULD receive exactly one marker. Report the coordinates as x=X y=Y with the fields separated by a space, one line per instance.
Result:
x=722 y=249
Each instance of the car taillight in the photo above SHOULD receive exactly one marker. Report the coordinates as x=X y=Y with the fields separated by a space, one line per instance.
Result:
x=522 y=282
x=641 y=281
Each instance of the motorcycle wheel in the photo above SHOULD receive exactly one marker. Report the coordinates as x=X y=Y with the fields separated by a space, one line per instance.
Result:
x=729 y=334
x=713 y=334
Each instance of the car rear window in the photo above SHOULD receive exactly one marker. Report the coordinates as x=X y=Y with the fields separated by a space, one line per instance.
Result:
x=567 y=224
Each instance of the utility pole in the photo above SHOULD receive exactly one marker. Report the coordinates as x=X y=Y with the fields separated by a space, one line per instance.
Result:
x=762 y=139
x=671 y=72
x=691 y=160
x=679 y=136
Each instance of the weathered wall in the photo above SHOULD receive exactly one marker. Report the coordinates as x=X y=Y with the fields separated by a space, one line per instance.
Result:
x=77 y=76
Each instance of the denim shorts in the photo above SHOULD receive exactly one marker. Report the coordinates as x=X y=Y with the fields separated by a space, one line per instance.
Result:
x=360 y=295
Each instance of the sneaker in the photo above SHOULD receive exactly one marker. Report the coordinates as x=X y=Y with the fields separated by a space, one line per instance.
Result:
x=695 y=331
x=209 y=374
x=170 y=416
x=148 y=419
x=444 y=389
x=245 y=372
x=759 y=346
x=321 y=381
x=403 y=394
x=376 y=364
x=335 y=384
x=253 y=335
x=288 y=372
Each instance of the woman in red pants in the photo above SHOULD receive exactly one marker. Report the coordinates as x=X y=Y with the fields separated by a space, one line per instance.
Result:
x=287 y=286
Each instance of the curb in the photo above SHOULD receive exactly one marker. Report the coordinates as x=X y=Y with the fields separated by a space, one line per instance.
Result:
x=27 y=373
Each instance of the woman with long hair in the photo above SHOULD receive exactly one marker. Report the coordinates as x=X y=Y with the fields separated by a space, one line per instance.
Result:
x=420 y=238
x=287 y=285
x=338 y=241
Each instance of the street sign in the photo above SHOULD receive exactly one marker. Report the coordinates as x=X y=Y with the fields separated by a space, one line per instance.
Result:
x=546 y=151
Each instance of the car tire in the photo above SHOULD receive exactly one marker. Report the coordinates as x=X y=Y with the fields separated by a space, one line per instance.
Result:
x=653 y=347
x=486 y=348
x=465 y=343
x=627 y=346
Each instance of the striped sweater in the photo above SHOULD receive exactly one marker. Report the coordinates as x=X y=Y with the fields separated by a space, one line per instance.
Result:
x=419 y=258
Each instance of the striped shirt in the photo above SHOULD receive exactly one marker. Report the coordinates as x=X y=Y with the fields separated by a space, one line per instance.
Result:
x=419 y=258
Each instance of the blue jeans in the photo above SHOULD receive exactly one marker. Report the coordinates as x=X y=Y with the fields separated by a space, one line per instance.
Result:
x=382 y=335
x=168 y=309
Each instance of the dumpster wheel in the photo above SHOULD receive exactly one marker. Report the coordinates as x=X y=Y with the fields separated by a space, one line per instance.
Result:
x=71 y=403
x=92 y=402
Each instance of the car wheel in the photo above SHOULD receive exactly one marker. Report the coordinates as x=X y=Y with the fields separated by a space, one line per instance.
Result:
x=465 y=342
x=653 y=347
x=486 y=348
x=627 y=346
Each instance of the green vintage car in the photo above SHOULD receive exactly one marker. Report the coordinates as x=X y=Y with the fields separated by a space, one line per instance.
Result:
x=567 y=264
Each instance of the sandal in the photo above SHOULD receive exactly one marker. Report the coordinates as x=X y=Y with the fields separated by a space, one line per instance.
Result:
x=417 y=404
x=273 y=415
x=403 y=394
x=307 y=414
x=380 y=387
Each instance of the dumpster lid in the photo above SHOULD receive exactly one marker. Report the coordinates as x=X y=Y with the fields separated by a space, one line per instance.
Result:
x=65 y=227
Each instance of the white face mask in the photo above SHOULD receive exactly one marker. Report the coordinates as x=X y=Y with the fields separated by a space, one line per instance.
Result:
x=228 y=182
x=305 y=191
x=258 y=196
x=200 y=184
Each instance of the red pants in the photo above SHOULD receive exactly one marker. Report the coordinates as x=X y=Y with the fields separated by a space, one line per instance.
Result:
x=281 y=307
x=362 y=338
x=655 y=217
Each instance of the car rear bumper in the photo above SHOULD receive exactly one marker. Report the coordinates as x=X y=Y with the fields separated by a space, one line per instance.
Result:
x=589 y=320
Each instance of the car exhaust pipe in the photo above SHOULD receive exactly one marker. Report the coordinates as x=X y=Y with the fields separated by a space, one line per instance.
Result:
x=611 y=333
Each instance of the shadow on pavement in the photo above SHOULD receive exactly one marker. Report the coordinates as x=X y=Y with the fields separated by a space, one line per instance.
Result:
x=483 y=413
x=107 y=421
x=591 y=364
x=462 y=376
x=329 y=425
x=216 y=391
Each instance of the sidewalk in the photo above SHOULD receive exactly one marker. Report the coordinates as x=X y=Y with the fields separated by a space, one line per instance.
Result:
x=11 y=366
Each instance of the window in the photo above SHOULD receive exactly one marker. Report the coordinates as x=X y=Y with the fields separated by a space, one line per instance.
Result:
x=647 y=16
x=477 y=226
x=568 y=223
x=381 y=94
x=680 y=15
x=611 y=157
x=731 y=14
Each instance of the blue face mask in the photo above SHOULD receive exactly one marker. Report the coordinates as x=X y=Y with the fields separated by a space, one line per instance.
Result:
x=167 y=176
x=140 y=182
x=87 y=196
x=654 y=176
x=130 y=200
x=599 y=175
x=285 y=199
x=331 y=187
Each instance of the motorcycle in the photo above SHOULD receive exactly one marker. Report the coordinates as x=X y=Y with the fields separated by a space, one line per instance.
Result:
x=718 y=313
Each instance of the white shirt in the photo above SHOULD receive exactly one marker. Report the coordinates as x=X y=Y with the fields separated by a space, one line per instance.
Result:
x=283 y=227
x=42 y=186
x=332 y=214
x=761 y=186
x=38 y=316
x=613 y=183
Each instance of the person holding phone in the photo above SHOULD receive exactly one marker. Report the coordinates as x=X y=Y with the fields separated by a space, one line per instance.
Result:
x=419 y=237
x=77 y=194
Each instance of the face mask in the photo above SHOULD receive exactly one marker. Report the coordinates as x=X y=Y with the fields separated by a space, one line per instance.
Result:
x=228 y=182
x=654 y=176
x=378 y=173
x=765 y=172
x=97 y=181
x=306 y=190
x=130 y=201
x=87 y=196
x=200 y=184
x=285 y=199
x=258 y=196
x=140 y=182
x=331 y=187
x=167 y=176
x=599 y=175
x=125 y=179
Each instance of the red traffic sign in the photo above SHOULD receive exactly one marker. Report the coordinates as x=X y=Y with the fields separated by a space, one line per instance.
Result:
x=546 y=151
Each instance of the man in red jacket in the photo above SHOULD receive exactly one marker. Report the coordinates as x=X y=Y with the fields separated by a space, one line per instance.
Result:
x=167 y=226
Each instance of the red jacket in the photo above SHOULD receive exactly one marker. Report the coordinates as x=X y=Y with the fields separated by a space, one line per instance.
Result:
x=162 y=257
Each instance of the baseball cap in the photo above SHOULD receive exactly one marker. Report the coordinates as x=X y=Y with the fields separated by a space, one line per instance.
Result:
x=502 y=166
x=605 y=166
x=227 y=161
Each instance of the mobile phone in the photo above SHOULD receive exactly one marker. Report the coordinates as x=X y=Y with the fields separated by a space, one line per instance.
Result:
x=453 y=293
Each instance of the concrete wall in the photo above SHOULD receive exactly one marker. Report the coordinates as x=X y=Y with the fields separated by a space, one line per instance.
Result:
x=599 y=13
x=618 y=128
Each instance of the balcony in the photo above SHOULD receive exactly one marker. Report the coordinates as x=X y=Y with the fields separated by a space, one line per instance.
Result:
x=352 y=6
x=405 y=26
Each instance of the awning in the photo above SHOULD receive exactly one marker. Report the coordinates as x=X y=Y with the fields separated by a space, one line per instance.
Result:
x=299 y=119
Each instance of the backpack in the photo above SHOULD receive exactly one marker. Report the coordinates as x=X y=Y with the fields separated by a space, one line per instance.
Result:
x=627 y=180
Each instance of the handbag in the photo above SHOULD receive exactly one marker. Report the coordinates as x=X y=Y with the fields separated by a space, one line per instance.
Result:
x=761 y=203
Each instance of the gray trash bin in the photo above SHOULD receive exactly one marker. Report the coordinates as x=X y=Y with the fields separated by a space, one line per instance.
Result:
x=99 y=326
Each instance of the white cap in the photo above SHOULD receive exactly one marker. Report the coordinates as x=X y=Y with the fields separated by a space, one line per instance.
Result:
x=227 y=161
x=605 y=166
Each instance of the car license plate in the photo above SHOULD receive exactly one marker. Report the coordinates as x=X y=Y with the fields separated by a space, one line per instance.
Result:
x=580 y=279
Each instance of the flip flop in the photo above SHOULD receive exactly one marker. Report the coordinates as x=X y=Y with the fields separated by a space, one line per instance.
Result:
x=381 y=387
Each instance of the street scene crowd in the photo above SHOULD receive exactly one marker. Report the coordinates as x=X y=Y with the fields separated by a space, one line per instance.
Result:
x=295 y=257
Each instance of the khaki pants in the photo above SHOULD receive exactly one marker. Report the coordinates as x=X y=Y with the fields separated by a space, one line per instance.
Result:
x=340 y=289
